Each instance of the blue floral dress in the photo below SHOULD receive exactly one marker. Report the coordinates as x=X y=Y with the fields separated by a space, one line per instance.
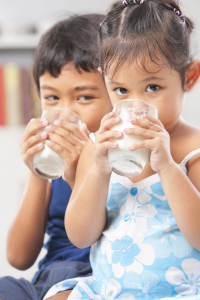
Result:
x=141 y=253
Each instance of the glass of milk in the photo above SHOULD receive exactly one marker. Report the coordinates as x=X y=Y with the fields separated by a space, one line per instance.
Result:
x=123 y=161
x=47 y=163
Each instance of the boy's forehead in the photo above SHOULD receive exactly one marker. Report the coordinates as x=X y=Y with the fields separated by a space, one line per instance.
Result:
x=72 y=78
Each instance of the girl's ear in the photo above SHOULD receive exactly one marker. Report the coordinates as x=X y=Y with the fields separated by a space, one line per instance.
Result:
x=192 y=75
x=99 y=70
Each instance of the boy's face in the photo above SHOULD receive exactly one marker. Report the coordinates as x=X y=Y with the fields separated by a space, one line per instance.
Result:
x=84 y=93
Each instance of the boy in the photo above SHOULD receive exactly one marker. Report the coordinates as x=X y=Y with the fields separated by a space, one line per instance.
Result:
x=65 y=73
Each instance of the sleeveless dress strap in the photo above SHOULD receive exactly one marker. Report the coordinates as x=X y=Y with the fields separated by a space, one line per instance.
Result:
x=92 y=137
x=187 y=158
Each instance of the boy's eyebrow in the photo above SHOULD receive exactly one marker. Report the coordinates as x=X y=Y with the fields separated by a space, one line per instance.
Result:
x=47 y=87
x=144 y=80
x=89 y=87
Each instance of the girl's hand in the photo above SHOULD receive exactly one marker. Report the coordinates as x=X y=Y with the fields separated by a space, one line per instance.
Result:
x=31 y=142
x=157 y=140
x=103 y=143
x=68 y=141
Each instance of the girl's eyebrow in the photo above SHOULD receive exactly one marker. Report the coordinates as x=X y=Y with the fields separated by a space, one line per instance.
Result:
x=140 y=81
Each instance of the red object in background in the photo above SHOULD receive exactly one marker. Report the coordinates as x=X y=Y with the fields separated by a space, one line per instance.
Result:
x=2 y=99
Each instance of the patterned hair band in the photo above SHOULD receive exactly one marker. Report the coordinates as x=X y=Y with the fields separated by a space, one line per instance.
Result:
x=178 y=13
x=134 y=1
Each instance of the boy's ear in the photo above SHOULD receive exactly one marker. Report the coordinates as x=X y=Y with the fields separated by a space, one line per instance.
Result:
x=192 y=75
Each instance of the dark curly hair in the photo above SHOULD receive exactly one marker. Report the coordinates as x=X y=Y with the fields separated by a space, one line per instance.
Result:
x=71 y=40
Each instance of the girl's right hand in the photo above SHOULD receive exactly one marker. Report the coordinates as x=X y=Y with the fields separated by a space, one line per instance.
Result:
x=103 y=143
x=31 y=142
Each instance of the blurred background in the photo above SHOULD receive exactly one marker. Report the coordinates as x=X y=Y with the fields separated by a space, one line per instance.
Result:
x=21 y=24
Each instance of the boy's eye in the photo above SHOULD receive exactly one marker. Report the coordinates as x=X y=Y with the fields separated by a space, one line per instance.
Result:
x=121 y=91
x=152 y=88
x=52 y=98
x=85 y=98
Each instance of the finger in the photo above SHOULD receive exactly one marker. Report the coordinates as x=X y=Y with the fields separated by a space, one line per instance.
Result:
x=74 y=129
x=28 y=155
x=143 y=132
x=109 y=135
x=107 y=124
x=84 y=129
x=145 y=123
x=62 y=142
x=105 y=146
x=65 y=135
x=33 y=127
x=153 y=120
x=142 y=144
x=38 y=138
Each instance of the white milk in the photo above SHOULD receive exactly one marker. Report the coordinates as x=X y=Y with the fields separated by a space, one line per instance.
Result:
x=48 y=164
x=122 y=161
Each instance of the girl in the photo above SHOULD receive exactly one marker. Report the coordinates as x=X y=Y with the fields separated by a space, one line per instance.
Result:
x=144 y=230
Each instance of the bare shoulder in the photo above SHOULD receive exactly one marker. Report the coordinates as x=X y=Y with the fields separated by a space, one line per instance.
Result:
x=185 y=141
x=85 y=162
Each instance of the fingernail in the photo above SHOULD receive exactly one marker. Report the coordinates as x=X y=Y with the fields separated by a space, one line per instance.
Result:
x=115 y=145
x=44 y=134
x=57 y=122
x=117 y=119
x=126 y=130
x=48 y=142
x=119 y=134
x=133 y=120
x=131 y=148
x=48 y=127
x=110 y=114
x=40 y=145
x=45 y=123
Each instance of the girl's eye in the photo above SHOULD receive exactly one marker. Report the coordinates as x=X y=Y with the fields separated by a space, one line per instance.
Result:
x=152 y=88
x=52 y=98
x=85 y=98
x=121 y=91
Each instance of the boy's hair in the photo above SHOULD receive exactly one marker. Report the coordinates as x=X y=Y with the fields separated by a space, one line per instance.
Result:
x=135 y=30
x=73 y=40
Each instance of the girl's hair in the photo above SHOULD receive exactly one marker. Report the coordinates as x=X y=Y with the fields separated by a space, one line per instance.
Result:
x=136 y=30
x=73 y=40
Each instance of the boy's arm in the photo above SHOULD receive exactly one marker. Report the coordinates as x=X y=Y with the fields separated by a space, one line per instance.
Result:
x=26 y=234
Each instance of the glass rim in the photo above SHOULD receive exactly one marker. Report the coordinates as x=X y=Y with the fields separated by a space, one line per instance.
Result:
x=138 y=100
x=59 y=108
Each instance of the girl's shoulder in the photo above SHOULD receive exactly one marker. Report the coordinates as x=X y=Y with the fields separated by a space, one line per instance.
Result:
x=184 y=141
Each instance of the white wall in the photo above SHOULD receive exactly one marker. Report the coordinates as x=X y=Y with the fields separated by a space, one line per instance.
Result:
x=13 y=170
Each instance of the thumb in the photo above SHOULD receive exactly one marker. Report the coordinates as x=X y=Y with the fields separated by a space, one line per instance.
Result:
x=85 y=130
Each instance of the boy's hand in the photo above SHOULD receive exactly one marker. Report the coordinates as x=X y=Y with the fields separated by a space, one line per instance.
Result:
x=68 y=141
x=157 y=139
x=31 y=142
x=103 y=143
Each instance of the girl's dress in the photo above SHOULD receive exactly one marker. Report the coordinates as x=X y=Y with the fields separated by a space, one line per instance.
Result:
x=141 y=253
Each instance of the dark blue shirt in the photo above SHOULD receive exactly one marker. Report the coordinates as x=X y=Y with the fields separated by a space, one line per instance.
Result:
x=59 y=248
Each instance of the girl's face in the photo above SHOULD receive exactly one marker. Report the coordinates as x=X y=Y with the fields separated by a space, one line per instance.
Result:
x=84 y=93
x=160 y=86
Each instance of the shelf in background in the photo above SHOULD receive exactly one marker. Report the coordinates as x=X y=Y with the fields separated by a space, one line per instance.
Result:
x=29 y=41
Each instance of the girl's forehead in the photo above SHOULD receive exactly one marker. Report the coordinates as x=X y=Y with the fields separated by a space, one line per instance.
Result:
x=140 y=70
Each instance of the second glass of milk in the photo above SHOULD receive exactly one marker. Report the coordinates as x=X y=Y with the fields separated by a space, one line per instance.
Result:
x=123 y=161
x=47 y=163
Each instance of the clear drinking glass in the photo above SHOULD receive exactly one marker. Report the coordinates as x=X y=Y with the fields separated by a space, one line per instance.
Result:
x=47 y=163
x=122 y=161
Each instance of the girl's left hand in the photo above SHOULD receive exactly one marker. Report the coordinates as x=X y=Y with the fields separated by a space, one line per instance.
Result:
x=68 y=141
x=157 y=139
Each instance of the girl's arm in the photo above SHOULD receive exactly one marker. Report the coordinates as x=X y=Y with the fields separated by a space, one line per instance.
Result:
x=85 y=216
x=182 y=192
x=26 y=234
